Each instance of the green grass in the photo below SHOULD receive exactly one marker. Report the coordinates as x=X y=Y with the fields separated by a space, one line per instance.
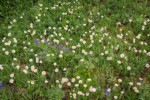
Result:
x=68 y=49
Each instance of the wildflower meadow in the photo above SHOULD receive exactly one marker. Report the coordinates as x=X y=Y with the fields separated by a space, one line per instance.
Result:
x=75 y=50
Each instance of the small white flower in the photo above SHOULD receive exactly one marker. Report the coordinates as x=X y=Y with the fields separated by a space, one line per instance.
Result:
x=119 y=80
x=30 y=60
x=57 y=81
x=91 y=52
x=80 y=81
x=64 y=80
x=14 y=20
x=119 y=62
x=87 y=94
x=12 y=75
x=85 y=85
x=6 y=53
x=138 y=83
x=115 y=97
x=60 y=55
x=94 y=89
x=48 y=55
x=130 y=83
x=3 y=49
x=1 y=67
x=64 y=69
x=9 y=34
x=35 y=70
x=130 y=20
x=122 y=56
x=69 y=83
x=79 y=93
x=106 y=52
x=137 y=91
x=74 y=47
x=18 y=67
x=26 y=67
x=43 y=72
x=91 y=89
x=56 y=70
x=122 y=92
x=134 y=88
x=55 y=64
x=74 y=95
x=60 y=86
x=32 y=82
x=116 y=85
x=73 y=80
x=109 y=58
x=61 y=52
x=81 y=60
x=13 y=51
x=11 y=81
x=15 y=40
x=46 y=81
x=25 y=71
x=128 y=68
x=89 y=79
x=147 y=66
x=76 y=85
x=78 y=77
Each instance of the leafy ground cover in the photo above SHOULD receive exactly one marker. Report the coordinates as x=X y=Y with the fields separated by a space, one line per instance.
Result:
x=75 y=49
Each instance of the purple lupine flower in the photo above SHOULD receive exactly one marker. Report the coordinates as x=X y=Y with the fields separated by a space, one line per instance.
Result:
x=67 y=50
x=61 y=46
x=36 y=41
x=44 y=57
x=40 y=53
x=50 y=43
x=108 y=90
x=56 y=47
x=1 y=85
x=46 y=50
